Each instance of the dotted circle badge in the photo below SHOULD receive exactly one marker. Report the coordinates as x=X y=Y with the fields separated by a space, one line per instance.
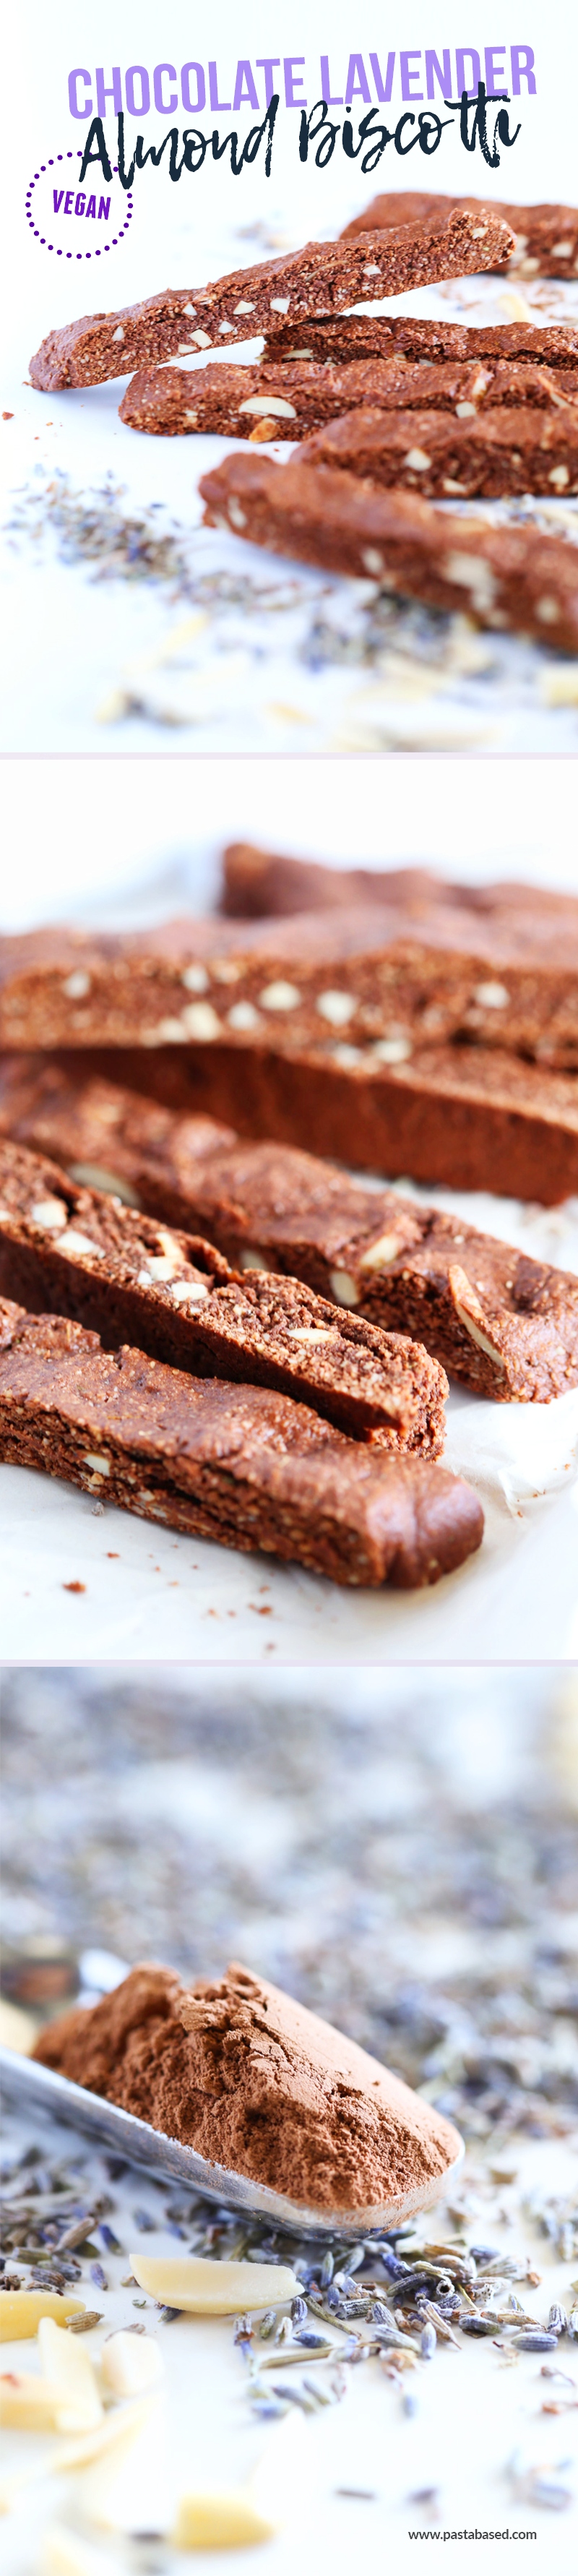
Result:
x=74 y=222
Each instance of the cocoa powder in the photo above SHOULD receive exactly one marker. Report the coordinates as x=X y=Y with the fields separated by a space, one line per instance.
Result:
x=254 y=2082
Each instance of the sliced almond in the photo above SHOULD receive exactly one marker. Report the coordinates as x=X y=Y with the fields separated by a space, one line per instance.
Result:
x=96 y=1176
x=29 y=2404
x=73 y=1241
x=189 y=1292
x=280 y=996
x=67 y=2367
x=313 y=1332
x=130 y=2363
x=337 y=1007
x=199 y=1020
x=117 y=2431
x=471 y=1313
x=17 y=2029
x=265 y=404
x=344 y=1288
x=208 y=2289
x=381 y=1253
x=220 y=2522
x=21 y=2311
x=50 y=1215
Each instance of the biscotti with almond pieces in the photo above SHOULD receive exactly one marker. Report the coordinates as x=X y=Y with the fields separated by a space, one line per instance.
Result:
x=69 y=1250
x=502 y=1323
x=342 y=337
x=546 y=236
x=323 y=277
x=375 y=982
x=470 y=457
x=509 y=577
x=239 y=1465
x=487 y=454
x=289 y=399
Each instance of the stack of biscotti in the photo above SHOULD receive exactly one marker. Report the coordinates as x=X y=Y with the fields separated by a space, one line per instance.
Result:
x=238 y=1464
x=244 y=1408
x=394 y=415
x=504 y=1325
x=66 y=1249
x=426 y=1035
x=388 y=406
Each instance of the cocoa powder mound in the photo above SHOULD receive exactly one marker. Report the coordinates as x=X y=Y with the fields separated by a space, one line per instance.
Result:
x=254 y=2082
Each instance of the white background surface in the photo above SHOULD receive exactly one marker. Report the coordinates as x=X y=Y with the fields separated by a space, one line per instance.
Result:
x=99 y=665
x=146 y=844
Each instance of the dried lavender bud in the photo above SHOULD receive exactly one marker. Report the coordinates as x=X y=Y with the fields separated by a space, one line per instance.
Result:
x=82 y=2324
x=536 y=2341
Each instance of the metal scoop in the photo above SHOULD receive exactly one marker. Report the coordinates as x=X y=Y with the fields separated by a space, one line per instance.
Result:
x=38 y=2091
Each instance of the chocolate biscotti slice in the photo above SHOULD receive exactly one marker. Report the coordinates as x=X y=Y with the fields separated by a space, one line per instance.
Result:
x=505 y=1325
x=323 y=277
x=68 y=1250
x=487 y=455
x=259 y=883
x=343 y=337
x=236 y=1464
x=297 y=395
x=507 y=577
x=372 y=982
x=470 y=1117
x=546 y=236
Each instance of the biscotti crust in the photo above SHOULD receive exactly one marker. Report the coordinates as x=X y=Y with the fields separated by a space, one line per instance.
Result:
x=507 y=577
